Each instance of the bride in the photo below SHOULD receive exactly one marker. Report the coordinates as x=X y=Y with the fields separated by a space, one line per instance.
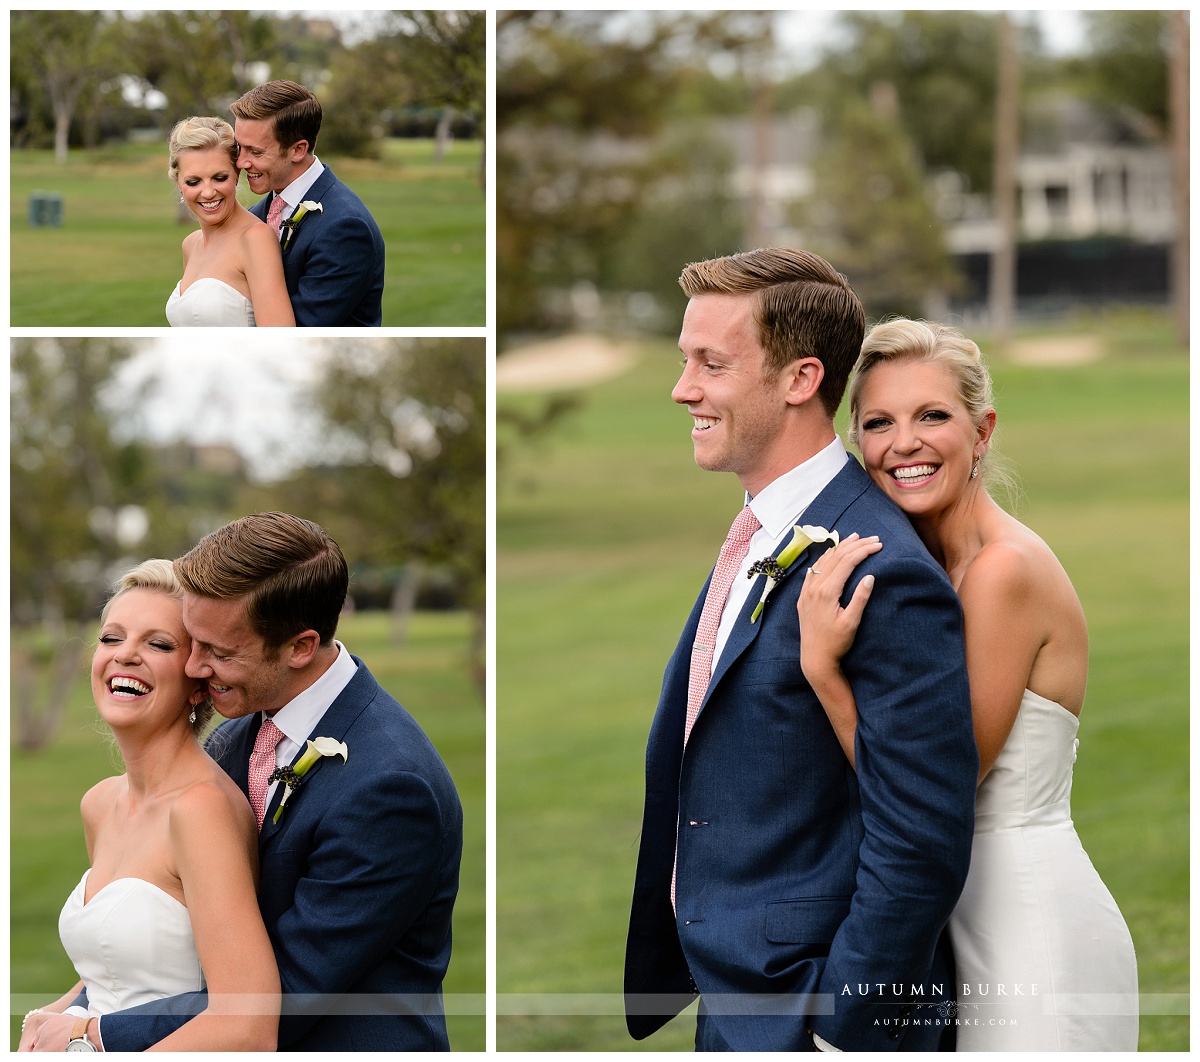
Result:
x=168 y=904
x=1034 y=912
x=232 y=268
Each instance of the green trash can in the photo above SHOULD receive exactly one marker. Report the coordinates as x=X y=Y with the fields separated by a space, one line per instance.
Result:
x=45 y=208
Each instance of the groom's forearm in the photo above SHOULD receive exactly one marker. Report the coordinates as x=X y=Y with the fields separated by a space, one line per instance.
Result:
x=140 y=1028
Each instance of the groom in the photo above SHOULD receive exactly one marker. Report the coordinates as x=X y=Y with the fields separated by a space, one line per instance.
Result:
x=333 y=251
x=359 y=872
x=804 y=903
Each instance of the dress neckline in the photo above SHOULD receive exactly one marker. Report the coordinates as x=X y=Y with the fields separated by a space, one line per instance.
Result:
x=199 y=280
x=85 y=902
x=1053 y=704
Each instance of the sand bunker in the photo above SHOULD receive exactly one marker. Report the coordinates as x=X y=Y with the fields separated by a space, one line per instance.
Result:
x=1056 y=350
x=562 y=364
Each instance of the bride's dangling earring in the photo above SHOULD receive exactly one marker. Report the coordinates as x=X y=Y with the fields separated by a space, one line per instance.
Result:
x=975 y=468
x=192 y=717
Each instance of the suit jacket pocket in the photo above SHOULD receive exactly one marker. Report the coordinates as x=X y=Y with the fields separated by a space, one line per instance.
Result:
x=806 y=921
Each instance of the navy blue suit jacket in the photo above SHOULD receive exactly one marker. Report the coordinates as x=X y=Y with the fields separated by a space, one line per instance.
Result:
x=807 y=890
x=358 y=881
x=334 y=265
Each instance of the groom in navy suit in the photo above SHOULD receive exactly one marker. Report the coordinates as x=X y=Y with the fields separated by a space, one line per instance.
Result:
x=803 y=901
x=359 y=870
x=333 y=253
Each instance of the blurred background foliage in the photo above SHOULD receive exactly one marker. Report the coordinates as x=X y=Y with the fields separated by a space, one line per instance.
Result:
x=617 y=165
x=85 y=78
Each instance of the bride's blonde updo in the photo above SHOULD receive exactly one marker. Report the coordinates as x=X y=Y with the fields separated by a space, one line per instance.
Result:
x=200 y=134
x=903 y=338
x=158 y=575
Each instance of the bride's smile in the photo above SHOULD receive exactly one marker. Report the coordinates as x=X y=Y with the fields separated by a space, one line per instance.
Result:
x=140 y=657
x=207 y=181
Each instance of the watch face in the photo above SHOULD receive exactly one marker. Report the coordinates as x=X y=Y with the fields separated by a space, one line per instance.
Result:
x=80 y=1045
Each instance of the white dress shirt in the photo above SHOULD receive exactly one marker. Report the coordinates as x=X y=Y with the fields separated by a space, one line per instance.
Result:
x=293 y=195
x=301 y=715
x=778 y=507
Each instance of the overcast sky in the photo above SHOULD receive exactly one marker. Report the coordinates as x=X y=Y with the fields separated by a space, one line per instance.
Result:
x=212 y=394
x=806 y=33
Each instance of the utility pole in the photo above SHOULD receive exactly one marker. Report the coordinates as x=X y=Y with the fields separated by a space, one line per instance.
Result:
x=1178 y=109
x=1002 y=294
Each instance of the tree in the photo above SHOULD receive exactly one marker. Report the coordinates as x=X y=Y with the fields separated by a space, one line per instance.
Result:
x=406 y=479
x=1126 y=62
x=427 y=58
x=582 y=102
x=65 y=53
x=870 y=214
x=942 y=66
x=199 y=60
x=67 y=480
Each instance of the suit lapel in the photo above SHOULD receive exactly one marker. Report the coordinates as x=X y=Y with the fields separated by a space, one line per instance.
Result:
x=824 y=511
x=336 y=721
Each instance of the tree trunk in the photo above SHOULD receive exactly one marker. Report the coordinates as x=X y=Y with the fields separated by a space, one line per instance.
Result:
x=37 y=717
x=1002 y=296
x=442 y=137
x=404 y=600
x=62 y=128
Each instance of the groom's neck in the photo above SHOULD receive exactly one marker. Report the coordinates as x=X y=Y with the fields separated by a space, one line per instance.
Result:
x=297 y=169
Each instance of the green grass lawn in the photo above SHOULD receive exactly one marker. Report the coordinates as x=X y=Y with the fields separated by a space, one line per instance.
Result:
x=117 y=255
x=428 y=675
x=605 y=533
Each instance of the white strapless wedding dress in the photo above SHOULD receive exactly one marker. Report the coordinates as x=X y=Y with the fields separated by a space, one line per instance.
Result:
x=1045 y=961
x=209 y=302
x=131 y=943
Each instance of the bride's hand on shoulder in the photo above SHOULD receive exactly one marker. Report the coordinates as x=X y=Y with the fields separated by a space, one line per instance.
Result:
x=827 y=629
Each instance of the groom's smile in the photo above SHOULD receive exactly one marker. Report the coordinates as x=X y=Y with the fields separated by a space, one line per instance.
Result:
x=242 y=675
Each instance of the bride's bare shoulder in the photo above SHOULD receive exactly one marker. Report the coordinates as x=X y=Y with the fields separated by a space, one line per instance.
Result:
x=211 y=798
x=1016 y=568
x=102 y=798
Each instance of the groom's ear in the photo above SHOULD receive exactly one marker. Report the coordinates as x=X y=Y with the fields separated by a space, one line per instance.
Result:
x=803 y=380
x=298 y=150
x=301 y=649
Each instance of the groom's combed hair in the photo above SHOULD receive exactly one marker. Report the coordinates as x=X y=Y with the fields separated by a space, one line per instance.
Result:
x=291 y=573
x=805 y=309
x=297 y=112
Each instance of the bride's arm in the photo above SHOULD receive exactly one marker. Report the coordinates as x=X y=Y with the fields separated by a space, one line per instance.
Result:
x=215 y=845
x=827 y=631
x=1004 y=624
x=264 y=274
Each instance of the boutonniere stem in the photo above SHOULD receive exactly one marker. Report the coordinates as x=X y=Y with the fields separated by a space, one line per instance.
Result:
x=775 y=568
x=298 y=215
x=293 y=776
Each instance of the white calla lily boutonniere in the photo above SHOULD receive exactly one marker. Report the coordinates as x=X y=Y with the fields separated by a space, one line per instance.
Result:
x=775 y=568
x=293 y=777
x=290 y=226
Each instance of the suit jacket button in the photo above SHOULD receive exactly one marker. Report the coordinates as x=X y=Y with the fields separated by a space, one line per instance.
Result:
x=893 y=1034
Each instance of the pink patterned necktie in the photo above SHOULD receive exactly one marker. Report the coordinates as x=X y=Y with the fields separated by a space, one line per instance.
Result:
x=262 y=763
x=733 y=552
x=737 y=545
x=275 y=213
